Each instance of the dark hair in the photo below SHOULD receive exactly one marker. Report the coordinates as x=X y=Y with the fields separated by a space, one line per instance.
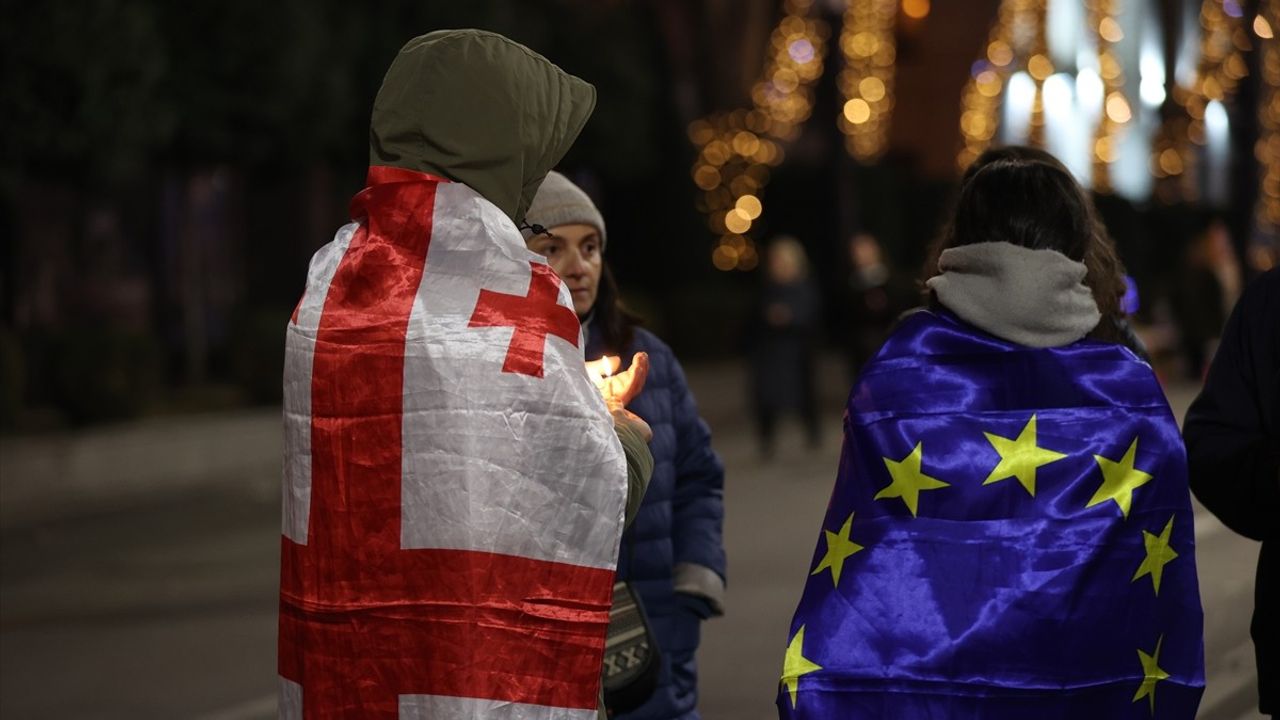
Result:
x=1025 y=196
x=615 y=322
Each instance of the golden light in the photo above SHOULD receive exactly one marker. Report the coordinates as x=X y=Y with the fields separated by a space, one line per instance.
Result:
x=915 y=9
x=1118 y=108
x=1211 y=89
x=1110 y=30
x=988 y=83
x=857 y=111
x=864 y=44
x=717 y=152
x=999 y=53
x=1262 y=28
x=786 y=80
x=1171 y=162
x=736 y=221
x=742 y=185
x=701 y=132
x=736 y=148
x=1111 y=68
x=746 y=143
x=750 y=206
x=1105 y=149
x=872 y=89
x=1235 y=67
x=1040 y=66
x=748 y=259
x=724 y=257
x=706 y=177
x=767 y=153
x=1240 y=39
x=975 y=123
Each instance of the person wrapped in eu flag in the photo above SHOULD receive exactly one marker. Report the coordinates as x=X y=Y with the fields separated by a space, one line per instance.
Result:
x=1010 y=532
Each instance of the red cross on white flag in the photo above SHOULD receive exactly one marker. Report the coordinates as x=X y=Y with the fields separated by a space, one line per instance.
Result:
x=435 y=562
x=534 y=317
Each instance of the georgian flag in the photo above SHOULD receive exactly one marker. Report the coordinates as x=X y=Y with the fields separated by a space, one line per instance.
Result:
x=454 y=488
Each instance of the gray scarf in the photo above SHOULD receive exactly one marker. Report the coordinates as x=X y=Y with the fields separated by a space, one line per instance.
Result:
x=1031 y=297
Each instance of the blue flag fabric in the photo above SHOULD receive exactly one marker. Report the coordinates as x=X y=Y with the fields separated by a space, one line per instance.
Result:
x=1009 y=536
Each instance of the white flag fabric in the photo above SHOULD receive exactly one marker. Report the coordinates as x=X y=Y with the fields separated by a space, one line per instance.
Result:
x=454 y=488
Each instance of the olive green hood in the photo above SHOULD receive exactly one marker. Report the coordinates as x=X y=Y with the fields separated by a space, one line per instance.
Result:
x=479 y=109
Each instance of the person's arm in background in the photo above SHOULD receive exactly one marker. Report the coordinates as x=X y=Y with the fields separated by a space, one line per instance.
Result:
x=697 y=506
x=1233 y=447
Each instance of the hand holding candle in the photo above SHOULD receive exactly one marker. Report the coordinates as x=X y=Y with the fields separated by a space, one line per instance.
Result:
x=619 y=388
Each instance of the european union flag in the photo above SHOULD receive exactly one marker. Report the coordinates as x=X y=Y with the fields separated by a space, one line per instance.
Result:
x=1010 y=536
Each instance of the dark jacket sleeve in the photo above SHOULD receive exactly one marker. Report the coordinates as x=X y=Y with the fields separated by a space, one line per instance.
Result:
x=698 y=503
x=1233 y=444
x=639 y=468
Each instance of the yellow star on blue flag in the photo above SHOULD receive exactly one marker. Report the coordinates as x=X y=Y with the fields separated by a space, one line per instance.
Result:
x=839 y=548
x=1119 y=479
x=796 y=665
x=1159 y=554
x=1152 y=673
x=1020 y=457
x=909 y=479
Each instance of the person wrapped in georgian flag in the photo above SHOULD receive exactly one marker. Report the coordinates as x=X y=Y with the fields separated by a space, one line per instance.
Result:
x=454 y=488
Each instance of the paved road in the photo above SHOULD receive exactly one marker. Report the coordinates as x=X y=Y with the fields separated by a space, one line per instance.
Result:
x=166 y=609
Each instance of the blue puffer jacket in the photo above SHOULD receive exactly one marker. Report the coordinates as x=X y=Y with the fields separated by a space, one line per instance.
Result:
x=673 y=553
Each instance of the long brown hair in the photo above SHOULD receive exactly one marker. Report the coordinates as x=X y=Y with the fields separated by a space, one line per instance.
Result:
x=1025 y=196
x=612 y=319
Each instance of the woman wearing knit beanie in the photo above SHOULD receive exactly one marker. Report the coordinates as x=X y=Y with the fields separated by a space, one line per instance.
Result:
x=673 y=554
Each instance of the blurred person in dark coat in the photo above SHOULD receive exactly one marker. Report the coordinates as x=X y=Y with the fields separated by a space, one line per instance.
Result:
x=1232 y=433
x=782 y=344
x=1208 y=284
x=876 y=296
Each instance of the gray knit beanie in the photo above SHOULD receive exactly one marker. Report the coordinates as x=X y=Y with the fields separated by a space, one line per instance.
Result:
x=560 y=202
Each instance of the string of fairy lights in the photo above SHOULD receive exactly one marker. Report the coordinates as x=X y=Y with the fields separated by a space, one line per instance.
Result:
x=736 y=150
x=1116 y=112
x=1016 y=43
x=866 y=82
x=1224 y=38
x=1267 y=149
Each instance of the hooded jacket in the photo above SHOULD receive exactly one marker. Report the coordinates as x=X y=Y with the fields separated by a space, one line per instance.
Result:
x=478 y=109
x=425 y=494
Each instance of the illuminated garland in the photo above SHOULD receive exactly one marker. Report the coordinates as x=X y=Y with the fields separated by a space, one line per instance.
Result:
x=1267 y=149
x=1039 y=66
x=1015 y=43
x=1116 y=111
x=1221 y=67
x=866 y=82
x=736 y=150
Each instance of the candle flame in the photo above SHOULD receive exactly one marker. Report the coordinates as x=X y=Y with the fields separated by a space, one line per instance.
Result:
x=618 y=388
x=600 y=369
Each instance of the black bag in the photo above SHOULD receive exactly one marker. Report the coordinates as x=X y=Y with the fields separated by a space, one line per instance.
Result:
x=631 y=666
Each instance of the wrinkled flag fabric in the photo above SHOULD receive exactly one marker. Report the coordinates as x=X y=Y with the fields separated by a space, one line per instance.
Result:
x=453 y=488
x=1009 y=536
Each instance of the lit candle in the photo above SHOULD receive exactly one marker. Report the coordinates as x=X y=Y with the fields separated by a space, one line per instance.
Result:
x=618 y=388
